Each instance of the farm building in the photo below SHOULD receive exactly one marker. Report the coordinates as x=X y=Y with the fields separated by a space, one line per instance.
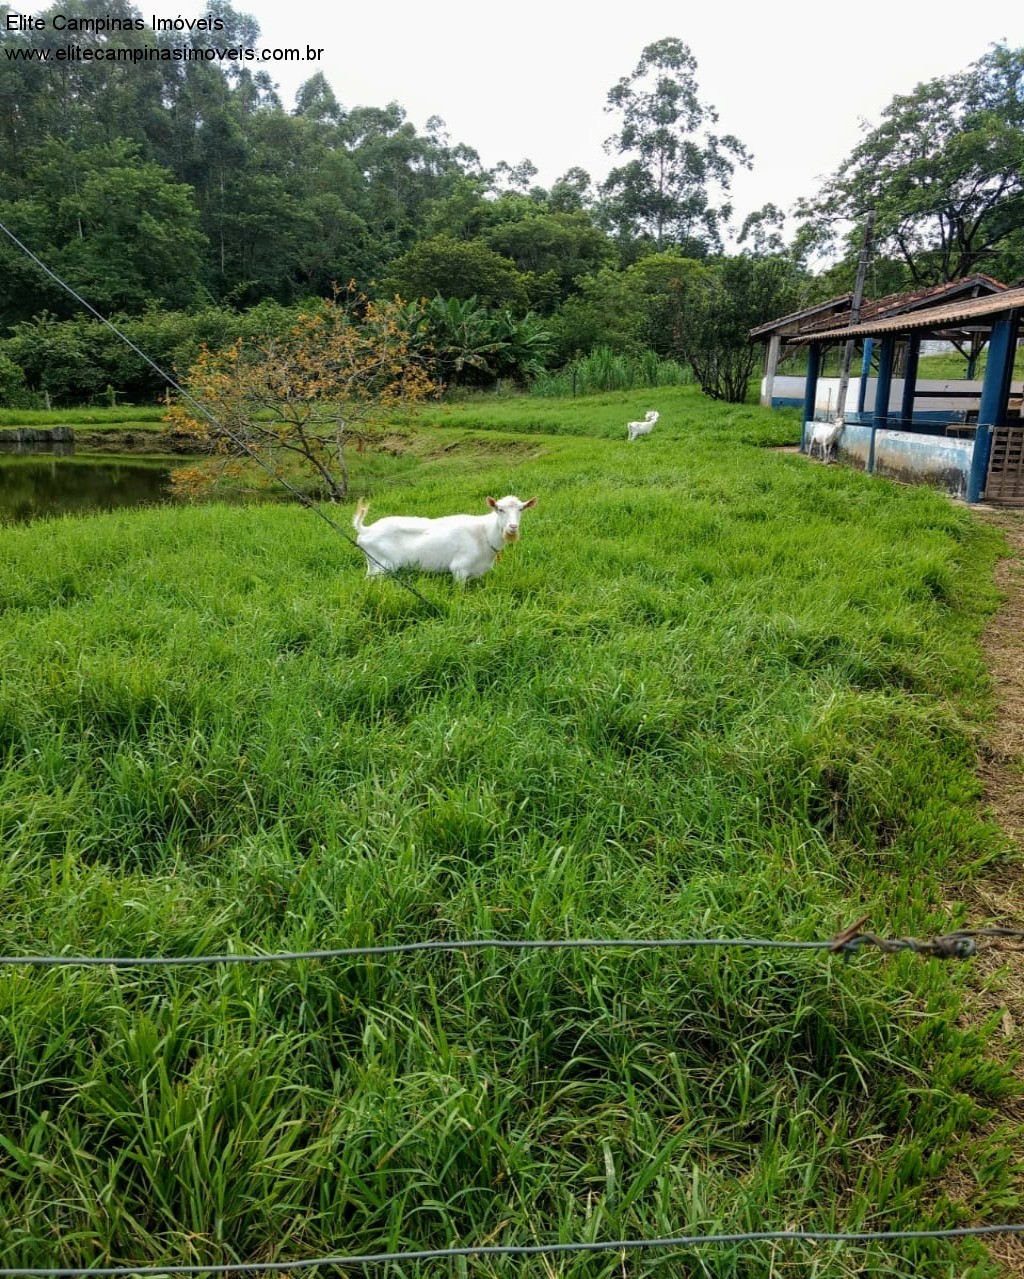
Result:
x=790 y=331
x=965 y=435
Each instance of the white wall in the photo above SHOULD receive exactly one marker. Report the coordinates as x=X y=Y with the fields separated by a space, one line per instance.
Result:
x=789 y=389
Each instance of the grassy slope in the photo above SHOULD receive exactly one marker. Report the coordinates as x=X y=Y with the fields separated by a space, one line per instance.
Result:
x=715 y=690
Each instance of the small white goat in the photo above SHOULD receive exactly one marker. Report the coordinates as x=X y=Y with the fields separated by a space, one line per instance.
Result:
x=825 y=436
x=463 y=545
x=633 y=429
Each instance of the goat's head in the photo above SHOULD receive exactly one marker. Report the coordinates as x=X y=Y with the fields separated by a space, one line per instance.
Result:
x=508 y=509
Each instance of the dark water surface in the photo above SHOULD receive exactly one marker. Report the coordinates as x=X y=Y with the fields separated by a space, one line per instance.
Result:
x=39 y=483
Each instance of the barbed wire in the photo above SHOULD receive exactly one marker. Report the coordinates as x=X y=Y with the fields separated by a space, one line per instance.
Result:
x=962 y=944
x=519 y=1250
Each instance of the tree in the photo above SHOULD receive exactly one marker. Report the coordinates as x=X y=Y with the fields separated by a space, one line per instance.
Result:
x=639 y=309
x=118 y=228
x=460 y=269
x=606 y=311
x=944 y=173
x=310 y=392
x=663 y=194
x=571 y=191
x=721 y=301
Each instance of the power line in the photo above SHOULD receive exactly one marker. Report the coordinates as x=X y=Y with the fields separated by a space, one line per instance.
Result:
x=957 y=945
x=522 y=1250
x=235 y=439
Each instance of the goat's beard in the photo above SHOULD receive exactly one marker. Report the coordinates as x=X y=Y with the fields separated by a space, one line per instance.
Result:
x=510 y=535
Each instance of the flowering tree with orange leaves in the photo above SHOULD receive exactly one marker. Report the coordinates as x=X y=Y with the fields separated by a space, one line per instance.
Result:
x=322 y=386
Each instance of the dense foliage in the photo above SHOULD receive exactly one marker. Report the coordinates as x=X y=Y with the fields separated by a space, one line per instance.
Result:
x=201 y=197
x=944 y=174
x=179 y=196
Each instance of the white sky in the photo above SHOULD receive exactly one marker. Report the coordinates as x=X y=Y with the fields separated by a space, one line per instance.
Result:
x=530 y=79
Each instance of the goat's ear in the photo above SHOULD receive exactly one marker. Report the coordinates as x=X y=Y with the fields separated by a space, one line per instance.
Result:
x=531 y=502
x=491 y=503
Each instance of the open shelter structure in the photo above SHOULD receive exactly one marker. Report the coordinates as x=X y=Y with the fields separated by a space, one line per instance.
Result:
x=791 y=331
x=969 y=440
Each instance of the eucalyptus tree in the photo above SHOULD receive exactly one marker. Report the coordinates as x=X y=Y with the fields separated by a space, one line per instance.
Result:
x=675 y=162
x=944 y=173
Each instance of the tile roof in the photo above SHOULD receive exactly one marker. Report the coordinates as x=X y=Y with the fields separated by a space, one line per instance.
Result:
x=898 y=303
x=929 y=317
x=835 y=304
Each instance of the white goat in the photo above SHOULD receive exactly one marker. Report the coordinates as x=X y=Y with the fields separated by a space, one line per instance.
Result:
x=463 y=545
x=825 y=436
x=633 y=429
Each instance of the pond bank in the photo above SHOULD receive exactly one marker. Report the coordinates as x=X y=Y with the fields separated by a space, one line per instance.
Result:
x=108 y=441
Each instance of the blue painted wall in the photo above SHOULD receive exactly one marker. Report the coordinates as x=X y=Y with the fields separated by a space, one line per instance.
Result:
x=909 y=456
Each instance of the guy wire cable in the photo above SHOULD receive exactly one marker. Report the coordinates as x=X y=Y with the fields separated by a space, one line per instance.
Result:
x=236 y=440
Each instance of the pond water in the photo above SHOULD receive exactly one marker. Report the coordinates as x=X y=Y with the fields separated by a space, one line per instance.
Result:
x=36 y=483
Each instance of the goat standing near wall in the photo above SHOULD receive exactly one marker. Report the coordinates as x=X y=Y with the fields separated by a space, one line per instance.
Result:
x=633 y=429
x=464 y=545
x=825 y=435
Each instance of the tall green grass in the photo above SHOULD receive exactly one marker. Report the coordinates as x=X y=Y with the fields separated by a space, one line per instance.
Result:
x=685 y=414
x=606 y=370
x=713 y=691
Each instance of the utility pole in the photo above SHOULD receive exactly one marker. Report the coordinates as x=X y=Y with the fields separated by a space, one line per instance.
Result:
x=858 y=297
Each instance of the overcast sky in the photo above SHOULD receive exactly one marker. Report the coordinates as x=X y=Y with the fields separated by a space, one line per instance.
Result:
x=793 y=82
x=530 y=79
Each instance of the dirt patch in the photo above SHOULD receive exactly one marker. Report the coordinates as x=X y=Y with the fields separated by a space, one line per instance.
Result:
x=490 y=447
x=1002 y=769
x=427 y=446
x=997 y=898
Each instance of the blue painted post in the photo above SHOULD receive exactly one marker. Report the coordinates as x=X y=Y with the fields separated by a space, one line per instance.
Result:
x=810 y=389
x=995 y=391
x=865 y=373
x=882 y=390
x=910 y=380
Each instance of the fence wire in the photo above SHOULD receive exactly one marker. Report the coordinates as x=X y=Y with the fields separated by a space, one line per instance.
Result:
x=963 y=944
x=521 y=1250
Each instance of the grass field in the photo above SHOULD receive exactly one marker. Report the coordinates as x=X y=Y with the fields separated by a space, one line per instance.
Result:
x=715 y=691
x=147 y=418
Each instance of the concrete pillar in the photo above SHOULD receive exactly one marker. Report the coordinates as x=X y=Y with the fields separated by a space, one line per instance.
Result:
x=771 y=364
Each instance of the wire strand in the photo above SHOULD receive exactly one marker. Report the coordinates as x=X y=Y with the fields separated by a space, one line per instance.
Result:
x=235 y=439
x=958 y=945
x=525 y=1250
